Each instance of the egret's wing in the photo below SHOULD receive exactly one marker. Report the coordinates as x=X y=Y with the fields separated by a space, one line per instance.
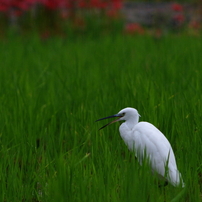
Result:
x=149 y=139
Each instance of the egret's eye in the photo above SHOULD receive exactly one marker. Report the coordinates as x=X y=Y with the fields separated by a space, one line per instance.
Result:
x=123 y=114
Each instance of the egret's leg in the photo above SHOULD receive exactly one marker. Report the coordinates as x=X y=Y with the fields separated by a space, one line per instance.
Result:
x=164 y=194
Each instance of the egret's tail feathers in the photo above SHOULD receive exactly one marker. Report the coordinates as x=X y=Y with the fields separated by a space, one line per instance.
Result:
x=175 y=178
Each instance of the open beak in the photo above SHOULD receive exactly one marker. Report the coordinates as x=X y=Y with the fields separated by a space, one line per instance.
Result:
x=115 y=115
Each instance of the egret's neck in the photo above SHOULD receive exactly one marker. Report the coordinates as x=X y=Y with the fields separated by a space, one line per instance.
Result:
x=132 y=122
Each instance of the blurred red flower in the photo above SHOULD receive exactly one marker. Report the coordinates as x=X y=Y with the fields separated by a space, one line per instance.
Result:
x=134 y=28
x=3 y=7
x=117 y=4
x=82 y=4
x=50 y=4
x=179 y=18
x=54 y=4
x=18 y=5
x=177 y=7
x=97 y=4
x=194 y=24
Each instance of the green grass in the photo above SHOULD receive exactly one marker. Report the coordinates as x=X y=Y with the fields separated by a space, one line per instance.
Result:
x=52 y=92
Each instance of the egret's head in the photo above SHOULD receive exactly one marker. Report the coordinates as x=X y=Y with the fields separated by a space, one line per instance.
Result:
x=124 y=115
x=128 y=113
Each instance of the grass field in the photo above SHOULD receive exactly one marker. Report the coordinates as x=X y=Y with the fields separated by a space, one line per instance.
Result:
x=51 y=93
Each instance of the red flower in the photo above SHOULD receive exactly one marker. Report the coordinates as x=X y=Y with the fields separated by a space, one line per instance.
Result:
x=179 y=18
x=3 y=7
x=134 y=28
x=51 y=4
x=117 y=4
x=177 y=7
x=55 y=4
x=98 y=4
x=82 y=4
x=194 y=25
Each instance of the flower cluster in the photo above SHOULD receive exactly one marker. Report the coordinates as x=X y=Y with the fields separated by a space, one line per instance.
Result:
x=50 y=17
x=54 y=15
x=22 y=6
x=178 y=17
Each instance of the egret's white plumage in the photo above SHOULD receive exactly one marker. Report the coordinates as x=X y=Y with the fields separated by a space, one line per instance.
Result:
x=147 y=141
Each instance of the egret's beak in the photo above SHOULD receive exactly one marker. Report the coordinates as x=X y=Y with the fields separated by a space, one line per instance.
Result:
x=115 y=115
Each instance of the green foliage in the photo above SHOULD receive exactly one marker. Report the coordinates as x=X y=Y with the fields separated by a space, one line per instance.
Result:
x=51 y=93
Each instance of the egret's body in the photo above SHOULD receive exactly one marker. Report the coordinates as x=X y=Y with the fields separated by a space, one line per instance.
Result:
x=148 y=142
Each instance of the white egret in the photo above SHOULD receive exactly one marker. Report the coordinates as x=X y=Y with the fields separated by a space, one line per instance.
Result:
x=148 y=142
